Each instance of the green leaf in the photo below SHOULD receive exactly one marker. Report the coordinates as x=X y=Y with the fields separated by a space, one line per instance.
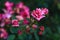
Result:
x=58 y=27
x=58 y=4
x=14 y=30
x=36 y=36
x=11 y=37
x=21 y=37
x=28 y=36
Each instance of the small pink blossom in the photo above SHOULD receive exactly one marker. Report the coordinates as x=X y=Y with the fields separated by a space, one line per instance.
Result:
x=19 y=32
x=40 y=33
x=3 y=33
x=42 y=28
x=26 y=13
x=25 y=21
x=8 y=5
x=45 y=10
x=39 y=13
x=24 y=10
x=15 y=23
x=20 y=5
x=34 y=26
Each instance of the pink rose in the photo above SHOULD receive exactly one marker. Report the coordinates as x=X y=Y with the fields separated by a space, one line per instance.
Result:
x=39 y=13
x=45 y=10
x=15 y=23
x=25 y=15
x=23 y=10
x=8 y=4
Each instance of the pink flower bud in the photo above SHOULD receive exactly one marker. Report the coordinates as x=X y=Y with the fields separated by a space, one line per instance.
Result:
x=15 y=23
x=25 y=21
x=42 y=28
x=34 y=26
x=40 y=33
x=19 y=32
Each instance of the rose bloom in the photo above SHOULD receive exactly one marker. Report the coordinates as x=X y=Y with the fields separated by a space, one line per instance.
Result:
x=3 y=33
x=23 y=10
x=8 y=6
x=39 y=13
x=15 y=23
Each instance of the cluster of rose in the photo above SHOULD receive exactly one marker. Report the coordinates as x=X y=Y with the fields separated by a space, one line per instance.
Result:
x=20 y=17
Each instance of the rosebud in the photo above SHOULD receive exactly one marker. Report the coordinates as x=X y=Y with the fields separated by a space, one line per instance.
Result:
x=34 y=26
x=40 y=33
x=15 y=23
x=19 y=32
x=42 y=28
x=25 y=21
